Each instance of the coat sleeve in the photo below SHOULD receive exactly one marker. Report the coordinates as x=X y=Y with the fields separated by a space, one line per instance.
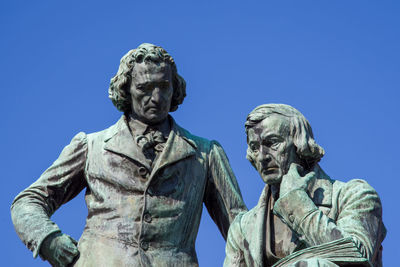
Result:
x=222 y=197
x=359 y=215
x=234 y=250
x=63 y=180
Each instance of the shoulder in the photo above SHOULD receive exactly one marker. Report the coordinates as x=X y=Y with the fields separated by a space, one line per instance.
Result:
x=104 y=135
x=357 y=194
x=351 y=189
x=84 y=140
x=198 y=142
x=355 y=186
x=80 y=137
x=235 y=229
x=244 y=222
x=78 y=142
x=249 y=218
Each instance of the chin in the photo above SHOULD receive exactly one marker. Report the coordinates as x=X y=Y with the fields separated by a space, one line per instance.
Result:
x=272 y=179
x=154 y=119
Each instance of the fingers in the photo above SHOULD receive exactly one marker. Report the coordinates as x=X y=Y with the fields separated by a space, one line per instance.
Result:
x=73 y=240
x=307 y=179
x=70 y=251
x=67 y=250
x=309 y=176
x=67 y=256
x=69 y=246
x=66 y=259
x=295 y=169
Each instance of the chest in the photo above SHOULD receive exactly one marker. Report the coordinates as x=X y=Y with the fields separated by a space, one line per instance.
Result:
x=107 y=171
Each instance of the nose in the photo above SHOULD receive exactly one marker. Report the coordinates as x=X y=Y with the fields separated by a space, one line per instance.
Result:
x=156 y=95
x=263 y=155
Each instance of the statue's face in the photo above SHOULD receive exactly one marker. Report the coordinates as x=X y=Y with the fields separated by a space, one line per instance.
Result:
x=151 y=91
x=272 y=148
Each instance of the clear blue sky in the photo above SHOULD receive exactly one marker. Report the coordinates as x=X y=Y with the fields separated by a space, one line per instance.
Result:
x=336 y=61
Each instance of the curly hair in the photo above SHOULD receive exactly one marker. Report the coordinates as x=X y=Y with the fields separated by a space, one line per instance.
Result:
x=119 y=88
x=299 y=128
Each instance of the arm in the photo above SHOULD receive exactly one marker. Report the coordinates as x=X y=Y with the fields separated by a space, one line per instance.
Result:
x=359 y=217
x=32 y=208
x=234 y=248
x=222 y=197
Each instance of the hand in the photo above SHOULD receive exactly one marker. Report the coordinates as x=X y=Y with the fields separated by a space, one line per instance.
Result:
x=59 y=249
x=293 y=180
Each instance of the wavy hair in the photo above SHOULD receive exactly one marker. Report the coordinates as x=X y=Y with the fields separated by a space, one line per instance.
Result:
x=119 y=88
x=299 y=128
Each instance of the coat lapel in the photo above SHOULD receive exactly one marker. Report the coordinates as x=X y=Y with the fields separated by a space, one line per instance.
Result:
x=120 y=141
x=178 y=146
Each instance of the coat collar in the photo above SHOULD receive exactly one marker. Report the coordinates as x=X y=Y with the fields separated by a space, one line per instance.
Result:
x=320 y=190
x=178 y=146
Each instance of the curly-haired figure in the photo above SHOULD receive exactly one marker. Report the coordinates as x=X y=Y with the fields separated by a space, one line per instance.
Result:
x=119 y=90
x=146 y=179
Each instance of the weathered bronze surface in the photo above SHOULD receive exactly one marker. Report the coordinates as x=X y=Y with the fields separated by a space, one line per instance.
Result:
x=145 y=177
x=303 y=218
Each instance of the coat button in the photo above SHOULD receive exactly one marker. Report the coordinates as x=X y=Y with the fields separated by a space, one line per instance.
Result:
x=143 y=172
x=147 y=218
x=144 y=245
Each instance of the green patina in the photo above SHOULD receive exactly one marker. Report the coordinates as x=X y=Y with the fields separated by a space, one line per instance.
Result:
x=146 y=179
x=303 y=217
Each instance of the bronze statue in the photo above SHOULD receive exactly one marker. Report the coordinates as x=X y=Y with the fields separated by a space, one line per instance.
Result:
x=146 y=179
x=303 y=217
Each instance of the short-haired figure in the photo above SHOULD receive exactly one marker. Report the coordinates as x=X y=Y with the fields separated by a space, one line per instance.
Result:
x=145 y=177
x=303 y=217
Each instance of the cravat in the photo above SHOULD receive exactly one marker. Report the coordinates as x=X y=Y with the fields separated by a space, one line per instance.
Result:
x=151 y=143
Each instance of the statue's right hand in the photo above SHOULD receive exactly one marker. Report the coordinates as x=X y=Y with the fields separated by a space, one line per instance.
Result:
x=293 y=180
x=60 y=250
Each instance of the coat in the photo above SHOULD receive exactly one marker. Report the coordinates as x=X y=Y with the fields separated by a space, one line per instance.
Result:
x=138 y=215
x=326 y=211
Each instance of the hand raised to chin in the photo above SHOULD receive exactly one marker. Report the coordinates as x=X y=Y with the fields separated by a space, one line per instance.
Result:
x=293 y=180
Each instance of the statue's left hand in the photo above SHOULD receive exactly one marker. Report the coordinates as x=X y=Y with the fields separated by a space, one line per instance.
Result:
x=293 y=180
x=59 y=250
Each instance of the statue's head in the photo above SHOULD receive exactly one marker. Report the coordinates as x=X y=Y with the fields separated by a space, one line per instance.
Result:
x=278 y=135
x=147 y=84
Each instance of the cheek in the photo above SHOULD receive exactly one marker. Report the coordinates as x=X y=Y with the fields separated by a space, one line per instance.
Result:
x=136 y=95
x=287 y=156
x=143 y=98
x=283 y=155
x=167 y=99
x=168 y=94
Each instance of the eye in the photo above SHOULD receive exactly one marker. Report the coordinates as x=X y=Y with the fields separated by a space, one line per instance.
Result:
x=253 y=147
x=164 y=85
x=149 y=87
x=141 y=88
x=274 y=143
